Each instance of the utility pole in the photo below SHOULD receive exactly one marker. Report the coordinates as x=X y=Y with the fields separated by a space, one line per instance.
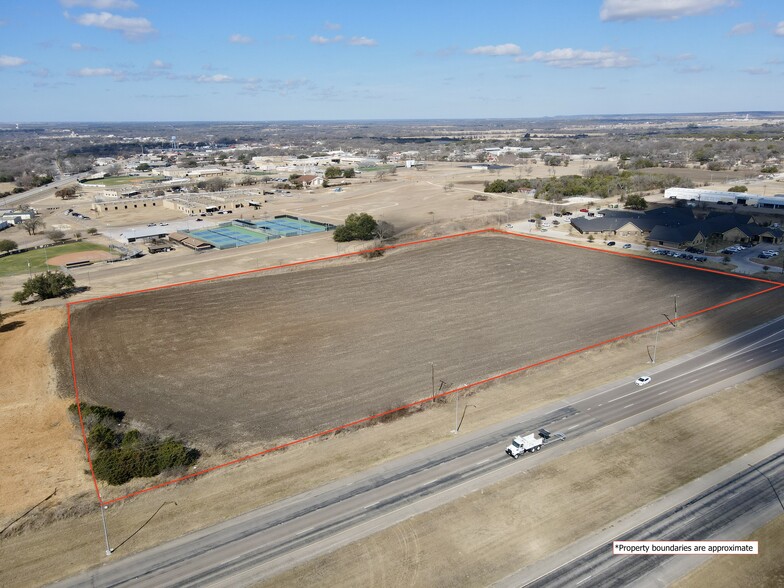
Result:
x=105 y=531
x=433 y=379
x=457 y=406
x=655 y=343
x=675 y=298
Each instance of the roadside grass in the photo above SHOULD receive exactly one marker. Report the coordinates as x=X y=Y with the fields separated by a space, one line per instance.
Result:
x=17 y=264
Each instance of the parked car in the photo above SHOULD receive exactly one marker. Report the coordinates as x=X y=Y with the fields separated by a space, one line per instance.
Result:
x=583 y=210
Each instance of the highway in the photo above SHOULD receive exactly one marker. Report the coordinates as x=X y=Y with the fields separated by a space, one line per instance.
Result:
x=705 y=517
x=269 y=540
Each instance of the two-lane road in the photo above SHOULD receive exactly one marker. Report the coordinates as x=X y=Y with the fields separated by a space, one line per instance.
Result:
x=269 y=540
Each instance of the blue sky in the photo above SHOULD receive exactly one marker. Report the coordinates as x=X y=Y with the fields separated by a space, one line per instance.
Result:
x=141 y=60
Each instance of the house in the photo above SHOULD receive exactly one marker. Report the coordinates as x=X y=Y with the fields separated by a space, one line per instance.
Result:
x=309 y=181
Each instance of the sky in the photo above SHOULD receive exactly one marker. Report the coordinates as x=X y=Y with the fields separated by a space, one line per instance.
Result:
x=244 y=60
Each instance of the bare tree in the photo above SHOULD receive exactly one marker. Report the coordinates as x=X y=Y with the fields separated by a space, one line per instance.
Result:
x=31 y=225
x=55 y=235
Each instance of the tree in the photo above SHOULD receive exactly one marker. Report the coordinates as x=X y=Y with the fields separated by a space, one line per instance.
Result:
x=349 y=173
x=635 y=202
x=216 y=184
x=384 y=230
x=92 y=231
x=333 y=172
x=65 y=193
x=31 y=225
x=46 y=285
x=738 y=189
x=143 y=167
x=188 y=163
x=358 y=227
x=8 y=245
x=55 y=235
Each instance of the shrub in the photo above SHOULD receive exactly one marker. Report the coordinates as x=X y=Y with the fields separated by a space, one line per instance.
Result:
x=7 y=245
x=738 y=189
x=46 y=285
x=102 y=438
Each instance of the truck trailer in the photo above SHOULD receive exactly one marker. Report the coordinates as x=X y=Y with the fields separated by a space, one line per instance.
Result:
x=531 y=442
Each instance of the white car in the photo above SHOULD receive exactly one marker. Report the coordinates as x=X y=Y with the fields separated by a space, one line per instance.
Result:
x=642 y=380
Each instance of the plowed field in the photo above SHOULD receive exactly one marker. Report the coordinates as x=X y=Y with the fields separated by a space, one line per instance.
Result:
x=270 y=357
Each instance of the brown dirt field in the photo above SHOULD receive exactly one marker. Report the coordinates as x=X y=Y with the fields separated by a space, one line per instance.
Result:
x=39 y=447
x=270 y=357
x=763 y=571
x=83 y=256
x=69 y=538
x=585 y=490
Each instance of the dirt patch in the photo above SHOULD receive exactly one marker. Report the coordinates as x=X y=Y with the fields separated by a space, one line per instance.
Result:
x=283 y=356
x=39 y=448
x=585 y=490
x=766 y=569
x=83 y=256
x=71 y=542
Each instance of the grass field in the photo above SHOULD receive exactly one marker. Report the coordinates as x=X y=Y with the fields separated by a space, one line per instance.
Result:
x=119 y=180
x=282 y=356
x=17 y=264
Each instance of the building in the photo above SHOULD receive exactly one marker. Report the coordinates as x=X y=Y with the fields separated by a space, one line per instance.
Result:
x=309 y=181
x=679 y=227
x=698 y=195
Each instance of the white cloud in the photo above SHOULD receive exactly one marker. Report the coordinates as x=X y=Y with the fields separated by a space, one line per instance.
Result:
x=160 y=64
x=11 y=61
x=101 y=4
x=663 y=9
x=332 y=26
x=131 y=28
x=240 y=39
x=756 y=71
x=570 y=58
x=742 y=28
x=94 y=72
x=319 y=40
x=362 y=42
x=779 y=29
x=505 y=49
x=214 y=79
x=82 y=47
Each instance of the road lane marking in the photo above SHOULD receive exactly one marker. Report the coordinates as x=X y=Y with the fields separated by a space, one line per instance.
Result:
x=572 y=427
x=303 y=531
x=660 y=393
x=373 y=504
x=584 y=580
x=624 y=396
x=628 y=405
x=694 y=380
x=723 y=370
x=483 y=461
x=749 y=359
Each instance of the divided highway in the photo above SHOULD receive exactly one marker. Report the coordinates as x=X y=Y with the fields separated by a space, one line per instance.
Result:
x=269 y=540
x=705 y=517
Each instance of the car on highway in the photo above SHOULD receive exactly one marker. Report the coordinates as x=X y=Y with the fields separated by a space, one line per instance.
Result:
x=509 y=226
x=642 y=380
x=627 y=245
x=610 y=243
x=531 y=220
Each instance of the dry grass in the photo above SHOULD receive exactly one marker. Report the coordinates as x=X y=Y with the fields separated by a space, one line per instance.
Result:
x=72 y=542
x=763 y=571
x=490 y=534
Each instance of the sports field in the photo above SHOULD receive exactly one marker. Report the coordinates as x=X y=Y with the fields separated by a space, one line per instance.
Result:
x=270 y=357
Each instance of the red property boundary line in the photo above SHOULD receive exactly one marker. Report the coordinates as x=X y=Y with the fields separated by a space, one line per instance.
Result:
x=102 y=502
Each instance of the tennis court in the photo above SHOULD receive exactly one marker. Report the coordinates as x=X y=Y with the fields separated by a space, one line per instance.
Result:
x=287 y=226
x=227 y=235
x=247 y=232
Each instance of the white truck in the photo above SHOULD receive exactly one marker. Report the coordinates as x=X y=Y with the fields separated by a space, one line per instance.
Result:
x=531 y=442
